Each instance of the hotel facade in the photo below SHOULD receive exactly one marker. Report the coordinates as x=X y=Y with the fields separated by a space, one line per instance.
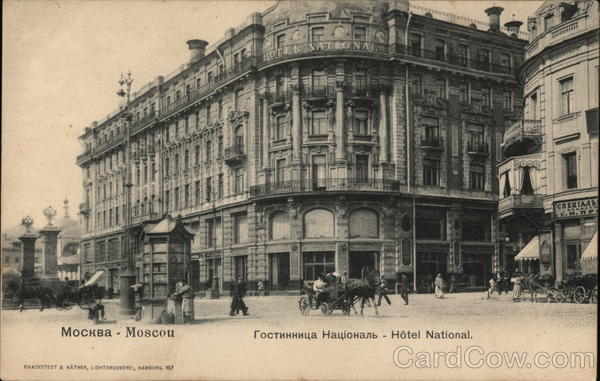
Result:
x=316 y=137
x=548 y=207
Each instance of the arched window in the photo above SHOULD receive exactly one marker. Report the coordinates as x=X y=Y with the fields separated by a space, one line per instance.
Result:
x=364 y=223
x=279 y=227
x=319 y=223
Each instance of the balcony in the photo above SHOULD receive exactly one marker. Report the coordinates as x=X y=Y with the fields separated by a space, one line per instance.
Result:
x=84 y=208
x=478 y=149
x=179 y=104
x=324 y=185
x=280 y=97
x=140 y=124
x=87 y=155
x=319 y=92
x=234 y=155
x=433 y=143
x=354 y=91
x=522 y=137
x=517 y=203
x=454 y=60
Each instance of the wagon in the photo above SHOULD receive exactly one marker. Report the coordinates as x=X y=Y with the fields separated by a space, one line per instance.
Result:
x=582 y=289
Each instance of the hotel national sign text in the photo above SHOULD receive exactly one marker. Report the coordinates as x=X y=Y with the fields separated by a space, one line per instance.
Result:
x=576 y=208
x=314 y=47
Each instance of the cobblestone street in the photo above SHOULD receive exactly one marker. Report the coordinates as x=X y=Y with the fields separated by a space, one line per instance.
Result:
x=216 y=339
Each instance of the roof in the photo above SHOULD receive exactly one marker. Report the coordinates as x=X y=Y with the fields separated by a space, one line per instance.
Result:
x=531 y=251
x=166 y=226
x=591 y=250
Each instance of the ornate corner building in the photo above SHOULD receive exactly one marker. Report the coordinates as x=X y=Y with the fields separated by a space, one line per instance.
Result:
x=316 y=137
x=549 y=178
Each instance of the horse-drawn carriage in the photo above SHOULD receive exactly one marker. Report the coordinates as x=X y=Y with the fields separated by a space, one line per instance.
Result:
x=579 y=289
x=338 y=295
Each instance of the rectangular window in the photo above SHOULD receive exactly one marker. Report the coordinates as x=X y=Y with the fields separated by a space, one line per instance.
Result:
x=197 y=155
x=431 y=129
x=319 y=123
x=573 y=256
x=476 y=177
x=280 y=41
x=186 y=160
x=463 y=89
x=238 y=186
x=197 y=192
x=440 y=50
x=220 y=146
x=566 y=96
x=484 y=59
x=241 y=266
x=441 y=88
x=240 y=228
x=220 y=186
x=417 y=83
x=317 y=263
x=362 y=168
x=505 y=62
x=208 y=151
x=319 y=81
x=281 y=127
x=318 y=34
x=208 y=115
x=186 y=196
x=280 y=165
x=570 y=165
x=360 y=33
x=361 y=123
x=463 y=54
x=359 y=83
x=533 y=106
x=167 y=200
x=238 y=99
x=208 y=189
x=177 y=198
x=486 y=96
x=430 y=224
x=415 y=45
x=507 y=100
x=319 y=171
x=431 y=172
x=116 y=215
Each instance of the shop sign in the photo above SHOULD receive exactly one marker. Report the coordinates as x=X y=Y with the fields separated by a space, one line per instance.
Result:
x=364 y=46
x=576 y=208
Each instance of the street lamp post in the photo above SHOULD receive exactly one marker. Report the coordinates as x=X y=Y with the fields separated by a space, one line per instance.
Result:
x=127 y=274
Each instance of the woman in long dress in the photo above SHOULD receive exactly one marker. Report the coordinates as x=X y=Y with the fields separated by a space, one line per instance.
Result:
x=439 y=286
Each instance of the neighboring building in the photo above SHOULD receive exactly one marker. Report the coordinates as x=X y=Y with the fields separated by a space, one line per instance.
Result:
x=549 y=180
x=287 y=149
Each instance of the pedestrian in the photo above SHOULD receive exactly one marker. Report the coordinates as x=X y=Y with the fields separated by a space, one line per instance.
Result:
x=238 y=291
x=137 y=294
x=452 y=284
x=259 y=288
x=492 y=284
x=318 y=289
x=439 y=286
x=382 y=290
x=404 y=289
x=517 y=288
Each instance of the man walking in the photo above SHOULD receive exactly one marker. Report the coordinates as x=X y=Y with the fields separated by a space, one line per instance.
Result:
x=382 y=290
x=259 y=288
x=238 y=291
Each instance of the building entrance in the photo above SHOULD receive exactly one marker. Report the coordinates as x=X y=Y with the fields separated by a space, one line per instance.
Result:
x=428 y=266
x=279 y=271
x=359 y=259
x=476 y=270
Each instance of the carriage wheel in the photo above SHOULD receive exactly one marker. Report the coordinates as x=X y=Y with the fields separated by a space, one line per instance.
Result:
x=579 y=294
x=325 y=310
x=594 y=296
x=304 y=305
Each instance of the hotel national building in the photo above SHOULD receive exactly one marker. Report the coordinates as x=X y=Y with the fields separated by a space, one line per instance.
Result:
x=316 y=137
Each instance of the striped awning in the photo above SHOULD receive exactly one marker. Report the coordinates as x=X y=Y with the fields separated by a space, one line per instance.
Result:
x=591 y=250
x=531 y=251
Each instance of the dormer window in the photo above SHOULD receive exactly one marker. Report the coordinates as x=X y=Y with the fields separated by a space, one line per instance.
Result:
x=548 y=21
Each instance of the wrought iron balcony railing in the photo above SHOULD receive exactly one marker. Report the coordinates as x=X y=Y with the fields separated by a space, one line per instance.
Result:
x=433 y=142
x=478 y=148
x=324 y=185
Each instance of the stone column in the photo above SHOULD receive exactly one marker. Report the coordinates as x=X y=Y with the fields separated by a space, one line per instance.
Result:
x=49 y=251
x=266 y=131
x=296 y=125
x=340 y=141
x=28 y=254
x=383 y=133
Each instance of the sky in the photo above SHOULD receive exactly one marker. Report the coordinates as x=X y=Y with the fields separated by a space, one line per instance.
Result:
x=61 y=62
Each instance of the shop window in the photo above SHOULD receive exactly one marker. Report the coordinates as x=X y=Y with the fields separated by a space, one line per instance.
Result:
x=476 y=226
x=364 y=223
x=319 y=223
x=317 y=263
x=430 y=224
x=573 y=256
x=279 y=227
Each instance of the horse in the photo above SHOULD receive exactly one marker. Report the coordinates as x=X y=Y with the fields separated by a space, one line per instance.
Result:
x=363 y=289
x=535 y=283
x=55 y=294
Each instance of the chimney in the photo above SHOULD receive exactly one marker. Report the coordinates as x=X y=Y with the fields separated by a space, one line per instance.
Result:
x=513 y=27
x=197 y=49
x=494 y=15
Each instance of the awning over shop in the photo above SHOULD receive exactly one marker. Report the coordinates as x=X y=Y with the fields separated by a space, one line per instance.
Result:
x=95 y=278
x=531 y=251
x=591 y=251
